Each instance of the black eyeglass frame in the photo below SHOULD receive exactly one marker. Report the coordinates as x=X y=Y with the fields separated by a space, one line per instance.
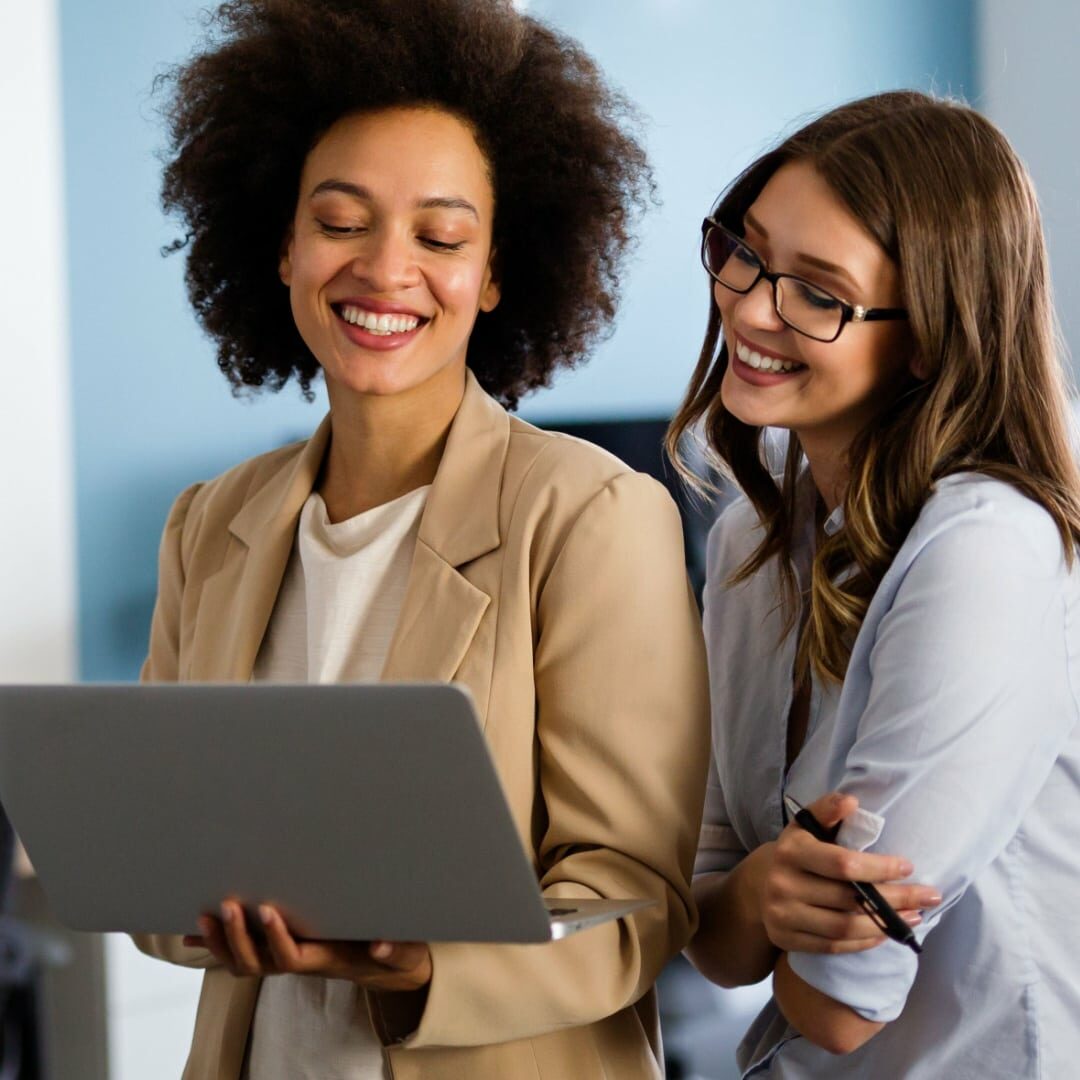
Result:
x=849 y=313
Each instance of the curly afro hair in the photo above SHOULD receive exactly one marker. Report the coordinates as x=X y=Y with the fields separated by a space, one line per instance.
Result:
x=569 y=174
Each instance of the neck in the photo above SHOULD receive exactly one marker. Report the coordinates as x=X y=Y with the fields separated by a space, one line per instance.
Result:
x=828 y=467
x=384 y=446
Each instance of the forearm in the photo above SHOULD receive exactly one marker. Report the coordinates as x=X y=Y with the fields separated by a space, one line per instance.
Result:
x=496 y=993
x=824 y=1021
x=731 y=947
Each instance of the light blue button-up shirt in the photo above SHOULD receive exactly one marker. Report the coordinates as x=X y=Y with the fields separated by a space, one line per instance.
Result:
x=956 y=728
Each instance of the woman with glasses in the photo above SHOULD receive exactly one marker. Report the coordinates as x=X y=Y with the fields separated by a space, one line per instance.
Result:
x=893 y=610
x=425 y=203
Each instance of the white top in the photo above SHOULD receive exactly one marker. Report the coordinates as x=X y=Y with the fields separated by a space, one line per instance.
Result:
x=956 y=727
x=333 y=620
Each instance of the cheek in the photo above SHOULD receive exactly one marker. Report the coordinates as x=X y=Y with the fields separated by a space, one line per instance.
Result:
x=458 y=286
x=312 y=270
x=314 y=264
x=729 y=389
x=725 y=322
x=860 y=377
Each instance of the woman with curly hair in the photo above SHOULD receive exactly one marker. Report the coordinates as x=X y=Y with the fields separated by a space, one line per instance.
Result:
x=426 y=202
x=893 y=615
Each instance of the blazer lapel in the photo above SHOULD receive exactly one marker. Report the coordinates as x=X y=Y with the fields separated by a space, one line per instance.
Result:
x=438 y=620
x=442 y=608
x=237 y=601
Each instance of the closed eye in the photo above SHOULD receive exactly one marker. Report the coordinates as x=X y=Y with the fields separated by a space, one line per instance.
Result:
x=442 y=245
x=340 y=230
x=746 y=256
x=815 y=297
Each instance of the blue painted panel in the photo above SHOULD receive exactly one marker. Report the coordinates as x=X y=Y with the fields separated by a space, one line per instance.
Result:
x=152 y=412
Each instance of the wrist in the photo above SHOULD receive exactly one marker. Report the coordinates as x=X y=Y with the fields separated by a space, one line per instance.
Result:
x=731 y=947
x=750 y=894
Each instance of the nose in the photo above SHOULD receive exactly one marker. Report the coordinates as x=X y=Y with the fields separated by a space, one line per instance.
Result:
x=757 y=308
x=386 y=261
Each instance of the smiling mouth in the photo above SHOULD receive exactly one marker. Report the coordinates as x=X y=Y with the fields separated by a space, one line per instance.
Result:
x=379 y=325
x=752 y=358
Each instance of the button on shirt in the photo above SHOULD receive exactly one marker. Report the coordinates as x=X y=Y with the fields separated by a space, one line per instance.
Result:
x=956 y=728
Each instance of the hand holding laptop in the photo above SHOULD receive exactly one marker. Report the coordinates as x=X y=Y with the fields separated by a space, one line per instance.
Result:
x=377 y=965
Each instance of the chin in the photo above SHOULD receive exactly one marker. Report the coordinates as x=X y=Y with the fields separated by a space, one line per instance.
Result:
x=378 y=386
x=388 y=376
x=372 y=374
x=743 y=406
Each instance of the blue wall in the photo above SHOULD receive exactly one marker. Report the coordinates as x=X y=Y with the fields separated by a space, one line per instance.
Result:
x=152 y=412
x=717 y=82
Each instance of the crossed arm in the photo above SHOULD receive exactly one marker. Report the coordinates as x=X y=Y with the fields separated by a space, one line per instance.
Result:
x=790 y=895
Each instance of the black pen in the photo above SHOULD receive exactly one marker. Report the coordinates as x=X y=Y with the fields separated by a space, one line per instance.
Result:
x=870 y=900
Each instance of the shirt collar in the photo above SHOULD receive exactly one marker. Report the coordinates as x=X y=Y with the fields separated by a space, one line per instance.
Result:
x=834 y=522
x=806 y=500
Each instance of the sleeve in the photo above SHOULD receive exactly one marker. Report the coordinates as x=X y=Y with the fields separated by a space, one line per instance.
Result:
x=162 y=665
x=162 y=659
x=968 y=709
x=719 y=847
x=622 y=737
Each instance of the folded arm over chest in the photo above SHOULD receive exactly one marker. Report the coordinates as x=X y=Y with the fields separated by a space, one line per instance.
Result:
x=968 y=706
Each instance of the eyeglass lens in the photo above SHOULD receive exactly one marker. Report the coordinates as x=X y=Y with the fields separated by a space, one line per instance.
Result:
x=810 y=310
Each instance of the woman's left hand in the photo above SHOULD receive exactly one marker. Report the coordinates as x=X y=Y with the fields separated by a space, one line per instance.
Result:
x=377 y=965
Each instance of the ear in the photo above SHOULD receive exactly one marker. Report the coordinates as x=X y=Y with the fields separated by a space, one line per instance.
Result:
x=490 y=292
x=919 y=367
x=285 y=262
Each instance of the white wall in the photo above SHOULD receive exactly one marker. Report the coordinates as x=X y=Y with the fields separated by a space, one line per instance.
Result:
x=151 y=1012
x=37 y=538
x=1030 y=80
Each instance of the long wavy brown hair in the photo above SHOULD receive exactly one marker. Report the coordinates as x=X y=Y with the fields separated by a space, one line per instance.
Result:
x=943 y=193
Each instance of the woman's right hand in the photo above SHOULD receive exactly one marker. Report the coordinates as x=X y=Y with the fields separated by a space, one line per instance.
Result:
x=806 y=903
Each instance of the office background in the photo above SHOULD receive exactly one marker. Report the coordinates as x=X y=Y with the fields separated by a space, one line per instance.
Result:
x=113 y=401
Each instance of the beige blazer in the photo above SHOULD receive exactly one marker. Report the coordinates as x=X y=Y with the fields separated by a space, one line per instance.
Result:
x=549 y=579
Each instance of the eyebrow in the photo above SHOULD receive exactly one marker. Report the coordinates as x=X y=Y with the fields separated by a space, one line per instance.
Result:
x=810 y=260
x=435 y=202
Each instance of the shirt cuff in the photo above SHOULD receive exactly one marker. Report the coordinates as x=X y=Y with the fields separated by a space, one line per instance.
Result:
x=860 y=830
x=874 y=983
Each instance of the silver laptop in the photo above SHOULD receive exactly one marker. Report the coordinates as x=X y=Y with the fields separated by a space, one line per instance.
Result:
x=364 y=812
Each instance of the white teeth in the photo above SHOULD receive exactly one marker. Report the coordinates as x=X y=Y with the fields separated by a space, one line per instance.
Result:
x=381 y=325
x=754 y=359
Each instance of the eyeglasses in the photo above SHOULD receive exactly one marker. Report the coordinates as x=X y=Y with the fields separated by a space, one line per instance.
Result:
x=803 y=306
